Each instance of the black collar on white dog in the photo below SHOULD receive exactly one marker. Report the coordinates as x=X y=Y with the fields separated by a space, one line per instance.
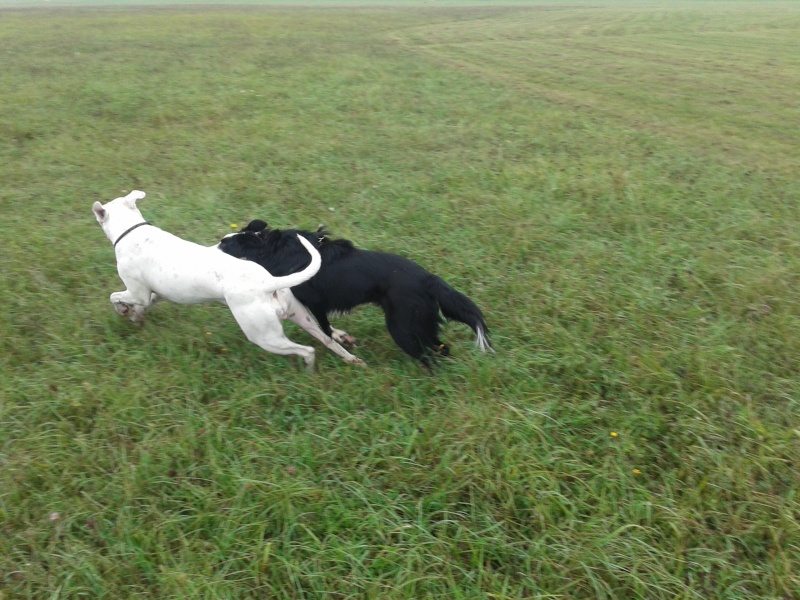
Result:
x=127 y=231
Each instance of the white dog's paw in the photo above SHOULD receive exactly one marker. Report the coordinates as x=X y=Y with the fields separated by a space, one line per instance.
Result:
x=357 y=361
x=122 y=308
x=135 y=313
x=343 y=337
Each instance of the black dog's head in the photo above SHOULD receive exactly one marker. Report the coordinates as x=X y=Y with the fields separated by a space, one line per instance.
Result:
x=256 y=226
x=244 y=243
x=278 y=250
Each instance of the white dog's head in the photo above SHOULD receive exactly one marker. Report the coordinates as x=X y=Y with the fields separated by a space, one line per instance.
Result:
x=119 y=214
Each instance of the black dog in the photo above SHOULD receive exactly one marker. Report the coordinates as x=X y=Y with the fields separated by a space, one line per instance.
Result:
x=410 y=296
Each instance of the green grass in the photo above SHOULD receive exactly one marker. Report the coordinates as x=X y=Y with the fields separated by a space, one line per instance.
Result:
x=614 y=184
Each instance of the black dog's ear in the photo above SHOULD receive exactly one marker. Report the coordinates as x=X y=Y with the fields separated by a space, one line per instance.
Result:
x=256 y=226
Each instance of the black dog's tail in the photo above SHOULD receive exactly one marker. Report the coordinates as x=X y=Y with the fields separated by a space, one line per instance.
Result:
x=457 y=307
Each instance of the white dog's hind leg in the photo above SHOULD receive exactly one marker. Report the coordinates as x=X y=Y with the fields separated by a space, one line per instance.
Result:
x=299 y=314
x=261 y=325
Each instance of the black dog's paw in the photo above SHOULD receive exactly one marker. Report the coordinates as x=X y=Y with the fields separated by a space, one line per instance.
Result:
x=442 y=350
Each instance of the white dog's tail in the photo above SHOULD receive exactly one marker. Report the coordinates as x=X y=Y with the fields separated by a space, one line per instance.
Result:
x=294 y=279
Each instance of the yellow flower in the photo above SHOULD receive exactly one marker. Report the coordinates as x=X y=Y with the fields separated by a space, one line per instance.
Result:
x=234 y=225
x=614 y=434
x=637 y=472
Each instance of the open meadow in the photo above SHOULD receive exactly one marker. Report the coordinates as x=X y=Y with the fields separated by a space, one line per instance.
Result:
x=616 y=185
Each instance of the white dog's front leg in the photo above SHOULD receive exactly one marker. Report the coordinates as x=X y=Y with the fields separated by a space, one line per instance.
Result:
x=131 y=306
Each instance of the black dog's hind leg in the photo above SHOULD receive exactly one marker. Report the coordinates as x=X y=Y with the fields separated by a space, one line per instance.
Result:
x=414 y=327
x=405 y=338
x=441 y=348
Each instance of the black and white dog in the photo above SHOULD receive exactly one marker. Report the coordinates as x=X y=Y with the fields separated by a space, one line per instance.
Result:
x=410 y=296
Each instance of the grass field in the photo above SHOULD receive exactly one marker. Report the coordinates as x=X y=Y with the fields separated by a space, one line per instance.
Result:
x=616 y=185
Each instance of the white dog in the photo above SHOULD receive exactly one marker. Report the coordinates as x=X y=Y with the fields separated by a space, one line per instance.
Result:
x=155 y=264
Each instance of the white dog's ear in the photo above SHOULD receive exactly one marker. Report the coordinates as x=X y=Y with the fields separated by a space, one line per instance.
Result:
x=99 y=212
x=130 y=199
